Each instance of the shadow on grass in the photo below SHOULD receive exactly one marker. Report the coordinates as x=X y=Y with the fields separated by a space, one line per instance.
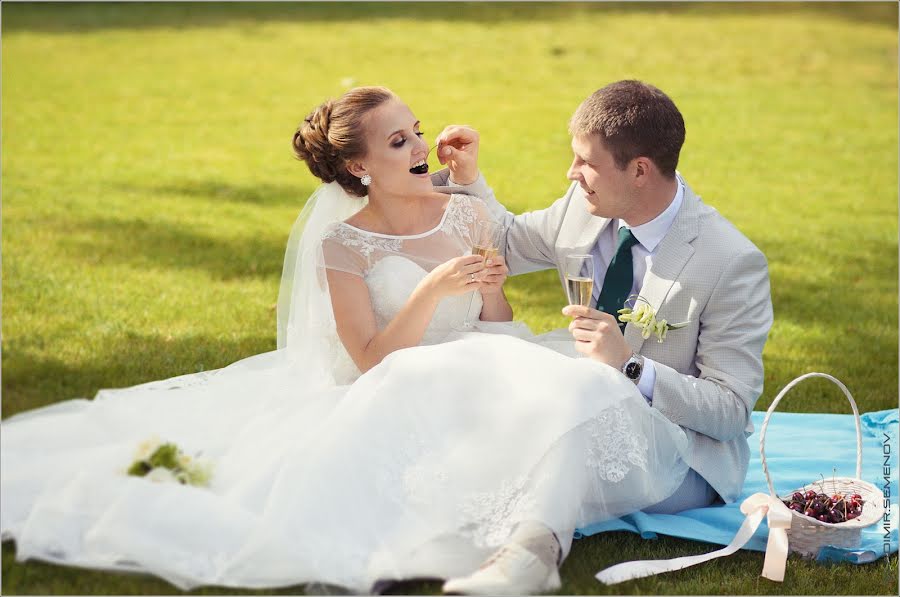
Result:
x=144 y=244
x=217 y=191
x=39 y=578
x=737 y=574
x=129 y=359
x=857 y=298
x=85 y=17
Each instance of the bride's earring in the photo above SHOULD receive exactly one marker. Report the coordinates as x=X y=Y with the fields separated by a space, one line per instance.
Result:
x=366 y=180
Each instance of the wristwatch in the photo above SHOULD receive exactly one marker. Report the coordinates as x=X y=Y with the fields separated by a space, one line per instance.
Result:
x=634 y=367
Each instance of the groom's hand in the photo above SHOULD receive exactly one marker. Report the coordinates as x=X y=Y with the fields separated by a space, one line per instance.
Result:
x=494 y=275
x=457 y=148
x=597 y=335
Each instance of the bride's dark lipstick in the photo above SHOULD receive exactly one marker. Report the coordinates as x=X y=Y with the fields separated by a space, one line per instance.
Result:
x=423 y=169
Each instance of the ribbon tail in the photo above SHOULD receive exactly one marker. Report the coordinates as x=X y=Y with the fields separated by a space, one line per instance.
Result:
x=642 y=568
x=776 y=555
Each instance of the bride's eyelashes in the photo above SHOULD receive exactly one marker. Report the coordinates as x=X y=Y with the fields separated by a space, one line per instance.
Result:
x=402 y=141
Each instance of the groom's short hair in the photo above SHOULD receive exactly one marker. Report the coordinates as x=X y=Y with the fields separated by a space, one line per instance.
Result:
x=633 y=119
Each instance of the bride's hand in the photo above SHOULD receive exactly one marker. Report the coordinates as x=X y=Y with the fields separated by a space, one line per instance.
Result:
x=454 y=277
x=494 y=276
x=458 y=150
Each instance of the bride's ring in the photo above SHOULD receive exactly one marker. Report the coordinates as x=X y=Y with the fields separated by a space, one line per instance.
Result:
x=471 y=277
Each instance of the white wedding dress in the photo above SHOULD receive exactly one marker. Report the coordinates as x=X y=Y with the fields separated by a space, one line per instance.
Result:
x=421 y=467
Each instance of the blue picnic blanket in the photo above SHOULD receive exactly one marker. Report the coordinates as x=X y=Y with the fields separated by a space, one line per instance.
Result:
x=799 y=446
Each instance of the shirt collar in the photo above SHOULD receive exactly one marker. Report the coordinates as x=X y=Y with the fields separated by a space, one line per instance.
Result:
x=651 y=233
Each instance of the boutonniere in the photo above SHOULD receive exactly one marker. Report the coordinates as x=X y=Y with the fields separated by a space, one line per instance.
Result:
x=165 y=462
x=643 y=315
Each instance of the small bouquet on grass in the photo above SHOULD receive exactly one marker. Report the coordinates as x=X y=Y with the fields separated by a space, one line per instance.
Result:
x=643 y=315
x=163 y=462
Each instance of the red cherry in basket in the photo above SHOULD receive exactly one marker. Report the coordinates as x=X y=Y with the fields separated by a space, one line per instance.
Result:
x=856 y=496
x=810 y=512
x=852 y=515
x=797 y=497
x=796 y=507
x=823 y=518
x=810 y=494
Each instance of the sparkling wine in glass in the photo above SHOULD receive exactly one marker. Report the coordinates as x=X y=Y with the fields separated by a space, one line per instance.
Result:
x=485 y=251
x=580 y=279
x=486 y=243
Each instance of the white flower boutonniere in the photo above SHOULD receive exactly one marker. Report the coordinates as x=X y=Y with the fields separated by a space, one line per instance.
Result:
x=643 y=315
x=164 y=462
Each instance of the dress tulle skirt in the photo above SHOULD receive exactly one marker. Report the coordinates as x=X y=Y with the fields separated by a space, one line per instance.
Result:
x=421 y=468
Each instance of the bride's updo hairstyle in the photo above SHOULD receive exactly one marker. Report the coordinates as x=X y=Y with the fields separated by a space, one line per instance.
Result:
x=334 y=134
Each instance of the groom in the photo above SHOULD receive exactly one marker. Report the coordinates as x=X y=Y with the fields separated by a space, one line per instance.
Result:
x=650 y=235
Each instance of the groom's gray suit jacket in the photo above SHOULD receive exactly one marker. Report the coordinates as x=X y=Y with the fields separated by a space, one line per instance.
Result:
x=709 y=374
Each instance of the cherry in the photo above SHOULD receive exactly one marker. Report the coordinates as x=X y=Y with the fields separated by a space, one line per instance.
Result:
x=833 y=509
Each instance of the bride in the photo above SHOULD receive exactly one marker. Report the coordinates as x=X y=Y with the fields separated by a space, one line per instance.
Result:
x=396 y=433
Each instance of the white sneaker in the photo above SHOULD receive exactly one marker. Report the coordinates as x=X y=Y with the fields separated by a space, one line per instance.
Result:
x=513 y=570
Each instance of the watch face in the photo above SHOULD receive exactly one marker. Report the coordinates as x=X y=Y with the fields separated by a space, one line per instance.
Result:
x=633 y=370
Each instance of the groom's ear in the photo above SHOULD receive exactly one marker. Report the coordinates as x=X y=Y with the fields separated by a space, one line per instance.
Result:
x=642 y=169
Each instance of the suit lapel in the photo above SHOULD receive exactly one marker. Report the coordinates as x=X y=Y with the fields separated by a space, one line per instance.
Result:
x=579 y=232
x=590 y=232
x=671 y=256
x=582 y=230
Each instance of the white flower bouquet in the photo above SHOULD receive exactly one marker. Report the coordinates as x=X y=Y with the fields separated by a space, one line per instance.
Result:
x=164 y=462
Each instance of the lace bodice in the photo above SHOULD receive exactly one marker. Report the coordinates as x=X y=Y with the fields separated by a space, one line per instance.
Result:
x=392 y=266
x=393 y=279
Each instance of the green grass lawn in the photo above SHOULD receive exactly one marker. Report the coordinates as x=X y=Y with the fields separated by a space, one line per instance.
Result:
x=148 y=190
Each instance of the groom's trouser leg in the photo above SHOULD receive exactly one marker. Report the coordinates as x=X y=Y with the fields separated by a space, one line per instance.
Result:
x=694 y=492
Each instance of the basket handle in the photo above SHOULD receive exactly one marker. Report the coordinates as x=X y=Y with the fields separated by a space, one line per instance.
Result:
x=765 y=425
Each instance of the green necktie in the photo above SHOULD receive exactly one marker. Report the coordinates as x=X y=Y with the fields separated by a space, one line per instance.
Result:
x=619 y=276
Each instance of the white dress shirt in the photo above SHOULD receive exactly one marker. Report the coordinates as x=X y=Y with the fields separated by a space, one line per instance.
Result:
x=648 y=235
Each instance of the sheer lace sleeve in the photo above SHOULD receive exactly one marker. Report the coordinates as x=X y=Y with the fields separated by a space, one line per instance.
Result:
x=347 y=250
x=463 y=212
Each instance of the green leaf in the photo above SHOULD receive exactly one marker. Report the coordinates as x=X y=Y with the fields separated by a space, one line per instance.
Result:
x=139 y=468
x=165 y=456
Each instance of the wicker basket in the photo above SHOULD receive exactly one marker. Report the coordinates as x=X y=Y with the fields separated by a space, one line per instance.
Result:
x=807 y=534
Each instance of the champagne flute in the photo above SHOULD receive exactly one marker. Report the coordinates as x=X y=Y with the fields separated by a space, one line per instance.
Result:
x=485 y=243
x=579 y=279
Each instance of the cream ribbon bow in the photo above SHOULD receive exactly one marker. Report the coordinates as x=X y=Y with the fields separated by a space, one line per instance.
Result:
x=755 y=507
